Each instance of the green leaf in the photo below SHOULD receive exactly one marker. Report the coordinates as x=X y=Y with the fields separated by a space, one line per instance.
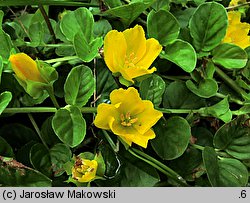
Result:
x=129 y=12
x=48 y=134
x=205 y=89
x=172 y=137
x=81 y=20
x=5 y=148
x=187 y=163
x=113 y=3
x=208 y=26
x=178 y=96
x=182 y=54
x=36 y=34
x=243 y=110
x=13 y=173
x=135 y=173
x=59 y=155
x=163 y=26
x=225 y=172
x=5 y=99
x=101 y=28
x=23 y=154
x=40 y=159
x=48 y=161
x=17 y=134
x=6 y=43
x=220 y=110
x=229 y=56
x=1 y=67
x=152 y=89
x=79 y=86
x=234 y=138
x=161 y=4
x=84 y=50
x=69 y=125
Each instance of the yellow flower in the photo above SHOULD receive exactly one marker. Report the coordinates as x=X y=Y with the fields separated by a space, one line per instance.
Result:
x=84 y=170
x=25 y=67
x=236 y=2
x=129 y=53
x=128 y=116
x=237 y=32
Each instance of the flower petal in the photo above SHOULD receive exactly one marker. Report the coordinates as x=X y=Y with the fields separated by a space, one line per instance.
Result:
x=115 y=48
x=147 y=118
x=140 y=139
x=105 y=114
x=130 y=73
x=153 y=49
x=25 y=67
x=130 y=100
x=136 y=42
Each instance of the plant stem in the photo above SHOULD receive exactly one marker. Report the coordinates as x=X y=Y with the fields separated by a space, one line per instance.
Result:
x=237 y=101
x=44 y=110
x=53 y=98
x=231 y=83
x=110 y=141
x=237 y=6
x=47 y=20
x=66 y=58
x=175 y=175
x=178 y=111
x=197 y=146
x=45 y=2
x=177 y=77
x=150 y=160
x=32 y=120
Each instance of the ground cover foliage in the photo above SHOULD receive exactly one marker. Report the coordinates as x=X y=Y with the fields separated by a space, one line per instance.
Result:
x=124 y=93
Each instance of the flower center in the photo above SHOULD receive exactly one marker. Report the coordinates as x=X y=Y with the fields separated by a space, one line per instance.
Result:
x=126 y=119
x=130 y=60
x=83 y=168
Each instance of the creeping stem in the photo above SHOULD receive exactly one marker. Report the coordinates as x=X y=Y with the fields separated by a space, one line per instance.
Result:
x=150 y=160
x=231 y=83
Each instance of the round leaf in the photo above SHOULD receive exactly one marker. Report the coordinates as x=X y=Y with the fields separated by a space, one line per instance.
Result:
x=234 y=138
x=5 y=148
x=128 y=12
x=152 y=89
x=84 y=50
x=5 y=99
x=40 y=159
x=163 y=26
x=225 y=172
x=79 y=86
x=69 y=125
x=229 y=56
x=208 y=26
x=178 y=96
x=206 y=88
x=182 y=54
x=80 y=20
x=172 y=137
x=59 y=155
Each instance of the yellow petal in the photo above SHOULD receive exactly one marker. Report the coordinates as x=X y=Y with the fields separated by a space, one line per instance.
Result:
x=25 y=67
x=115 y=48
x=131 y=73
x=136 y=42
x=234 y=17
x=147 y=118
x=139 y=139
x=130 y=100
x=153 y=49
x=105 y=113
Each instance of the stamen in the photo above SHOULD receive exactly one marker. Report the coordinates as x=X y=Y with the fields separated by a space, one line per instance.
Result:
x=127 y=120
